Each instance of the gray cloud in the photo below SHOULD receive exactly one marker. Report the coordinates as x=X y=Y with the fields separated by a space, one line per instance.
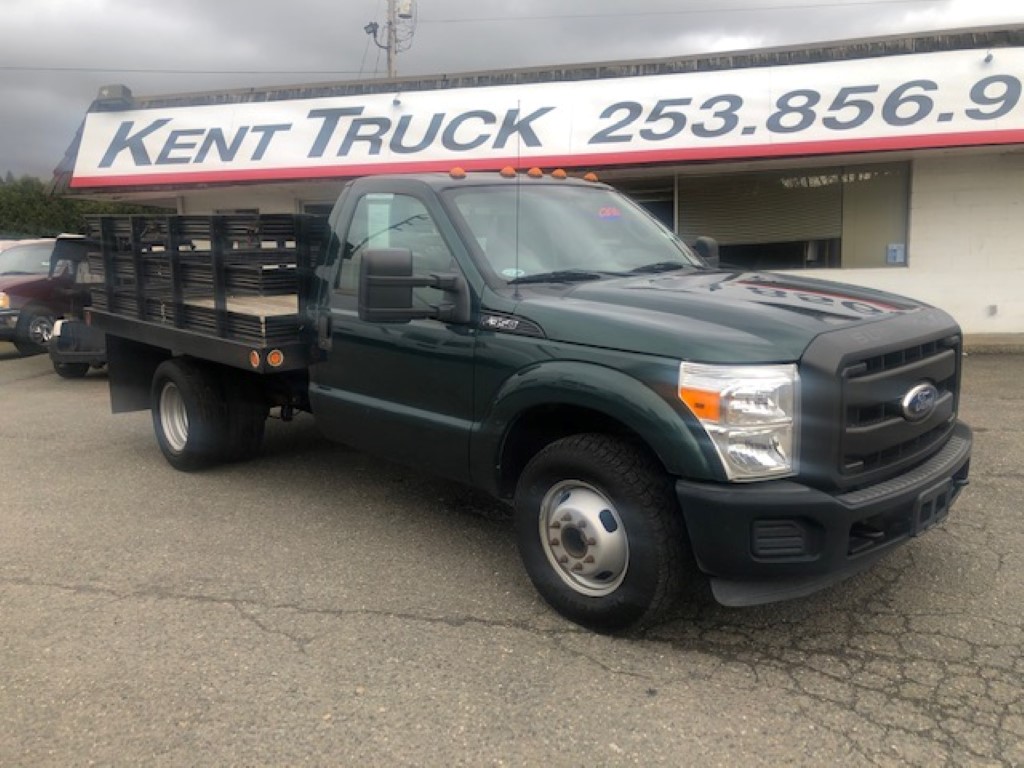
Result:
x=57 y=53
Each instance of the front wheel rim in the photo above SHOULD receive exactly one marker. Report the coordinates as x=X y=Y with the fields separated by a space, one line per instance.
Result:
x=583 y=538
x=40 y=331
x=173 y=417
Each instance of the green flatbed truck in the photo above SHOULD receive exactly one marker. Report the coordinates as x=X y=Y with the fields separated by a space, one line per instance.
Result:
x=652 y=417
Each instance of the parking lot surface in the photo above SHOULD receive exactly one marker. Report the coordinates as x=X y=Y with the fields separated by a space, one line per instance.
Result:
x=320 y=606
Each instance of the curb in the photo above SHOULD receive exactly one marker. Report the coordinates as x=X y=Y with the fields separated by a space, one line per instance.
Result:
x=994 y=343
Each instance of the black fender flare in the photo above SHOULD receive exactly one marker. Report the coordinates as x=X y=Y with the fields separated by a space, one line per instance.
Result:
x=668 y=429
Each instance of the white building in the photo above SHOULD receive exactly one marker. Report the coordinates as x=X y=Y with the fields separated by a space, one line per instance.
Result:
x=896 y=163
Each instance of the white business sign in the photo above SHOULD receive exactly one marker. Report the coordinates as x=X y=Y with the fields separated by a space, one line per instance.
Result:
x=955 y=98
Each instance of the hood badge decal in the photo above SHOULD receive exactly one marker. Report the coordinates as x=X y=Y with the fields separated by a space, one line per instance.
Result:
x=491 y=321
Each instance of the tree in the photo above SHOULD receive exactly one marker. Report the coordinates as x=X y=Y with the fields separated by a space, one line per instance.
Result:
x=28 y=210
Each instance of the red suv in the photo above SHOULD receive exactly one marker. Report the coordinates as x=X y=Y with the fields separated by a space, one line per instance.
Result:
x=37 y=286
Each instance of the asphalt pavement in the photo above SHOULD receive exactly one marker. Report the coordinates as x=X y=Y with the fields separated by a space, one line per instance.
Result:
x=318 y=606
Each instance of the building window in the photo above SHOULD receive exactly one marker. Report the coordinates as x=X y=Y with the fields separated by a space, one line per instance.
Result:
x=818 y=218
x=318 y=209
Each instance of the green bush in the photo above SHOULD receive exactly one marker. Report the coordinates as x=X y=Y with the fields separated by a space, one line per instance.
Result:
x=27 y=209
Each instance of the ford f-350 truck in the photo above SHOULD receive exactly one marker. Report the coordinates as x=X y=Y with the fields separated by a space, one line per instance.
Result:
x=652 y=417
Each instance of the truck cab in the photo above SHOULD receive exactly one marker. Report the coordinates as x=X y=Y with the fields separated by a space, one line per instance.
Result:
x=550 y=316
x=37 y=286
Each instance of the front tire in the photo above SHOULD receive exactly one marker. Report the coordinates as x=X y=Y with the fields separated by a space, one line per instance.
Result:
x=33 y=332
x=190 y=418
x=599 y=532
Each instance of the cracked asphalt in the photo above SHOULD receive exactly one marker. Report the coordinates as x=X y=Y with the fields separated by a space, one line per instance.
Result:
x=317 y=606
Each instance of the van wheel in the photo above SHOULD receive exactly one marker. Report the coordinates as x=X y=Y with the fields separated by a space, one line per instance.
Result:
x=33 y=332
x=71 y=370
x=599 y=532
x=189 y=415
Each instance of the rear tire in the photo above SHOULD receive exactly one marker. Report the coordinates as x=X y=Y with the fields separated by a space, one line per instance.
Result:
x=600 y=533
x=190 y=417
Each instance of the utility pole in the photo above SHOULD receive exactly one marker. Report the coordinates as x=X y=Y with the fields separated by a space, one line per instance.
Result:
x=392 y=47
x=399 y=27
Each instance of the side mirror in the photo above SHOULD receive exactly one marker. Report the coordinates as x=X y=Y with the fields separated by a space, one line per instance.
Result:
x=385 y=290
x=707 y=249
x=385 y=285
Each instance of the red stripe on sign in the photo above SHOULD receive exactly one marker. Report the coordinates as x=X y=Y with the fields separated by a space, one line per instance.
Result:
x=736 y=152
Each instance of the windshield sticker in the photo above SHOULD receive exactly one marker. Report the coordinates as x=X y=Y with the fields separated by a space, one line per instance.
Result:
x=512 y=274
x=609 y=212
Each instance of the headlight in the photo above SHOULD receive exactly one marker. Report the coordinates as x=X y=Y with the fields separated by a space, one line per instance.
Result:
x=749 y=412
x=5 y=301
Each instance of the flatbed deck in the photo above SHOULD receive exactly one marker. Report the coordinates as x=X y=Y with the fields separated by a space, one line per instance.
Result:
x=262 y=307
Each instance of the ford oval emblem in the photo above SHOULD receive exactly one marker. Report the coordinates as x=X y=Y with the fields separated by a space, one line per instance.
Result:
x=919 y=402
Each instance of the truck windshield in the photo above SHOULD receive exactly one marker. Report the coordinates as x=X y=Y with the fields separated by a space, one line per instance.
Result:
x=552 y=229
x=26 y=259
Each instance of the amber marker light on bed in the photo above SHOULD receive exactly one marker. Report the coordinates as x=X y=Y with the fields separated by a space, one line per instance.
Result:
x=254 y=359
x=275 y=358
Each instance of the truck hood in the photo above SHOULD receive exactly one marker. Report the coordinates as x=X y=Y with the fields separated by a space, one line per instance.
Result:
x=11 y=283
x=705 y=315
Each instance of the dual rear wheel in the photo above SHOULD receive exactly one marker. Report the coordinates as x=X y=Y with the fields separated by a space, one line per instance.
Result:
x=204 y=416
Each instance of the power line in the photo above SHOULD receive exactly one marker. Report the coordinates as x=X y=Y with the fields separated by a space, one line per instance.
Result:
x=690 y=12
x=467 y=20
x=122 y=70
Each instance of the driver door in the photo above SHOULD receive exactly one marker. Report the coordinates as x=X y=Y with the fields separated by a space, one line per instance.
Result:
x=402 y=390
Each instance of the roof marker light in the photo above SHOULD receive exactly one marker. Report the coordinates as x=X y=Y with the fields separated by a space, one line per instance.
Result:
x=535 y=173
x=508 y=172
x=457 y=173
x=559 y=173
x=590 y=176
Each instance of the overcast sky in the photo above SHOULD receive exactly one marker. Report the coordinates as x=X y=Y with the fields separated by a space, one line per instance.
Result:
x=55 y=54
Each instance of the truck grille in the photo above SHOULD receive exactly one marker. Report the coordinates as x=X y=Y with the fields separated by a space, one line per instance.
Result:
x=876 y=435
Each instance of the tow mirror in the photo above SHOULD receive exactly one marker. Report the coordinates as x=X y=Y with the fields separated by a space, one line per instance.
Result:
x=386 y=285
x=707 y=249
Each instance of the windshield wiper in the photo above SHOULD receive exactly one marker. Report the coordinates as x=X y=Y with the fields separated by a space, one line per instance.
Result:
x=659 y=266
x=559 y=276
x=16 y=272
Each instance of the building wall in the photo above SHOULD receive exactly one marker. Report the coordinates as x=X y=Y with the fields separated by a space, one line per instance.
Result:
x=875 y=212
x=966 y=241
